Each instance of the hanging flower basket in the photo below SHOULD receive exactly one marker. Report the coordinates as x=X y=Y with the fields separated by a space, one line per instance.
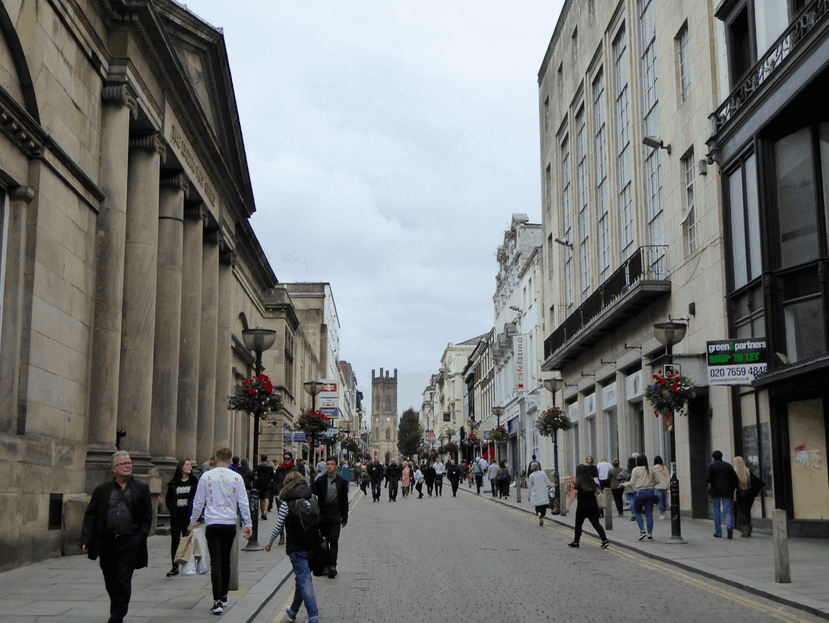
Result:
x=499 y=434
x=450 y=447
x=551 y=421
x=254 y=396
x=312 y=423
x=472 y=440
x=669 y=394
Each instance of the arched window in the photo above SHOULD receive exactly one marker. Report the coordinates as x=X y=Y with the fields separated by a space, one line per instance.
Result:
x=388 y=434
x=388 y=405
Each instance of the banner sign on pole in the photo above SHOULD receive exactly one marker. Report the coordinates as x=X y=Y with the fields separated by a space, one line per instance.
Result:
x=519 y=343
x=736 y=362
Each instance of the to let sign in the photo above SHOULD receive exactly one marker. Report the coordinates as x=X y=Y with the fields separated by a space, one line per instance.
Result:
x=736 y=362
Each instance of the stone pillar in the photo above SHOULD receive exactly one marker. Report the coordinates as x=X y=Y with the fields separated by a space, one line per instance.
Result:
x=109 y=277
x=207 y=346
x=188 y=375
x=135 y=391
x=12 y=308
x=167 y=321
x=222 y=434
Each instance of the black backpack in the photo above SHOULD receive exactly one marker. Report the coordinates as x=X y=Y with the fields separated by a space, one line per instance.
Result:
x=304 y=513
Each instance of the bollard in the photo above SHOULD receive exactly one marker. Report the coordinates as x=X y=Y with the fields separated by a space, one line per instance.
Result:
x=518 y=483
x=782 y=572
x=607 y=499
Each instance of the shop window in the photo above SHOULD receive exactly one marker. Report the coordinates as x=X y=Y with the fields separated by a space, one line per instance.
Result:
x=796 y=198
x=741 y=54
x=744 y=222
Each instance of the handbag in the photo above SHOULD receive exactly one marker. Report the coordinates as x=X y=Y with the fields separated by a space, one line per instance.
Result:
x=184 y=551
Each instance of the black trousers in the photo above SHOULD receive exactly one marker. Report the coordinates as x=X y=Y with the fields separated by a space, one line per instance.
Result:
x=330 y=531
x=177 y=530
x=479 y=481
x=376 y=488
x=392 y=488
x=439 y=485
x=591 y=513
x=455 y=482
x=219 y=543
x=618 y=497
x=117 y=560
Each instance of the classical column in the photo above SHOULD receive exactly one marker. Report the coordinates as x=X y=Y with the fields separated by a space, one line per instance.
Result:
x=224 y=352
x=167 y=320
x=207 y=346
x=189 y=345
x=135 y=390
x=109 y=277
x=12 y=308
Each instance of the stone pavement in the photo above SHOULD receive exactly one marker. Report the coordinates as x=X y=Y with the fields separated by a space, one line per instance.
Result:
x=71 y=589
x=746 y=563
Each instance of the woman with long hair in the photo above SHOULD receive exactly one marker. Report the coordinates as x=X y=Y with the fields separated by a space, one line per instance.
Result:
x=748 y=489
x=299 y=544
x=179 y=501
x=663 y=482
x=642 y=483
x=587 y=506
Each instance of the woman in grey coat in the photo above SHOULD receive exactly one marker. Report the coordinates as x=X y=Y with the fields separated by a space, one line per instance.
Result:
x=539 y=491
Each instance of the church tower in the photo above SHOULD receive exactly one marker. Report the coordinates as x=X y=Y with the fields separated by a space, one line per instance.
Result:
x=384 y=416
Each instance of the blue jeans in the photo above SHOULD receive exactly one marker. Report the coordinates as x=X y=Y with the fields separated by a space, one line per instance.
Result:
x=662 y=496
x=726 y=509
x=643 y=505
x=304 y=591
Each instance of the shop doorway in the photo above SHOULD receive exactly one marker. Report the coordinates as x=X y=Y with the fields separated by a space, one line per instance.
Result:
x=699 y=441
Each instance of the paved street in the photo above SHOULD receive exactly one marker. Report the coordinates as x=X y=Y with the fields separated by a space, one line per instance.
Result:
x=473 y=559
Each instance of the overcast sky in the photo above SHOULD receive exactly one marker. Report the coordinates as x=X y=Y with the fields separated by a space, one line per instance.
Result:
x=389 y=143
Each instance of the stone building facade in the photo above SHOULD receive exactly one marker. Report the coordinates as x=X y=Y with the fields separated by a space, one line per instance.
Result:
x=129 y=265
x=384 y=423
x=632 y=229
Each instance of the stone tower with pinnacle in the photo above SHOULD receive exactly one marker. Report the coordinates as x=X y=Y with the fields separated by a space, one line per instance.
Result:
x=384 y=416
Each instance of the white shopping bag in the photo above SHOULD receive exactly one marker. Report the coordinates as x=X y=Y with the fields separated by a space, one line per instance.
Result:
x=198 y=563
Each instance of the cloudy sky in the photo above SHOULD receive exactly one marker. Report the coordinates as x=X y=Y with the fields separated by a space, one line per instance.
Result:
x=389 y=143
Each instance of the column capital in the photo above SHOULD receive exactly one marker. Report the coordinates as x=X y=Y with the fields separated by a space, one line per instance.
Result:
x=212 y=236
x=227 y=258
x=150 y=142
x=119 y=95
x=177 y=181
x=21 y=193
x=195 y=211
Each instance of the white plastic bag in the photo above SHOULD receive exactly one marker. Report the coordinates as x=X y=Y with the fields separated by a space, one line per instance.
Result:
x=198 y=564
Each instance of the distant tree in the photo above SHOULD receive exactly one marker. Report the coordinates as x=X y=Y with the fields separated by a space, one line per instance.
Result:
x=410 y=433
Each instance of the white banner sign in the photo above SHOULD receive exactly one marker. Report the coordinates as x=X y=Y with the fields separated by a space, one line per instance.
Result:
x=519 y=346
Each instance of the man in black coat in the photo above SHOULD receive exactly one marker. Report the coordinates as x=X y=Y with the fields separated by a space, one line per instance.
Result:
x=393 y=474
x=454 y=473
x=376 y=472
x=264 y=482
x=116 y=525
x=722 y=481
x=331 y=490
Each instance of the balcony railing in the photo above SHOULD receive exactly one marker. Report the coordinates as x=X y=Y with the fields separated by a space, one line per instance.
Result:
x=777 y=54
x=648 y=263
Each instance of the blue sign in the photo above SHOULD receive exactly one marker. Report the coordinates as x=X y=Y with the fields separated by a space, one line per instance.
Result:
x=299 y=436
x=512 y=426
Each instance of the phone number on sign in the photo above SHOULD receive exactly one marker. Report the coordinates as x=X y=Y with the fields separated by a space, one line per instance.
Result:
x=737 y=371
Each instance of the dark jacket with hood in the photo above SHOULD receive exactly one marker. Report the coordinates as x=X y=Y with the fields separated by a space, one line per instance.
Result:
x=297 y=539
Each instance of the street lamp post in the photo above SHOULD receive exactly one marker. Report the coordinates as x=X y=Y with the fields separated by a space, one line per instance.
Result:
x=498 y=412
x=552 y=386
x=670 y=333
x=258 y=340
x=313 y=388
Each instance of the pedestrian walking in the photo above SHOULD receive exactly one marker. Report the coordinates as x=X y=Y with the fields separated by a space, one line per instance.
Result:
x=642 y=483
x=115 y=528
x=624 y=478
x=503 y=479
x=492 y=475
x=722 y=481
x=587 y=506
x=264 y=482
x=478 y=470
x=221 y=495
x=331 y=490
x=749 y=487
x=301 y=541
x=418 y=478
x=616 y=486
x=662 y=483
x=376 y=472
x=539 y=490
x=440 y=472
x=603 y=469
x=429 y=476
x=393 y=474
x=405 y=480
x=280 y=472
x=454 y=474
x=179 y=501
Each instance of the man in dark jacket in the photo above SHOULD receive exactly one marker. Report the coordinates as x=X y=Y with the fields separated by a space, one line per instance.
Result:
x=376 y=472
x=264 y=482
x=115 y=527
x=331 y=490
x=393 y=474
x=454 y=473
x=722 y=480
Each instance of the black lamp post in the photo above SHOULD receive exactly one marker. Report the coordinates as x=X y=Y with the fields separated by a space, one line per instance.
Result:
x=670 y=333
x=552 y=386
x=313 y=388
x=258 y=340
x=498 y=412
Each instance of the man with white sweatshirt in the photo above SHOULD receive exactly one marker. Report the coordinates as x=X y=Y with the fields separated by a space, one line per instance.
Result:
x=220 y=493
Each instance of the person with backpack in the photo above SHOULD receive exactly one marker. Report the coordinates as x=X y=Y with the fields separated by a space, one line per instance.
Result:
x=299 y=516
x=478 y=470
x=331 y=490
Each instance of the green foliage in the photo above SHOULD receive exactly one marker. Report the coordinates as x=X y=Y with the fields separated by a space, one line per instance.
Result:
x=410 y=433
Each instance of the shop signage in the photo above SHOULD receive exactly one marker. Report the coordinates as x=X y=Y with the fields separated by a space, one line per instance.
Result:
x=736 y=362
